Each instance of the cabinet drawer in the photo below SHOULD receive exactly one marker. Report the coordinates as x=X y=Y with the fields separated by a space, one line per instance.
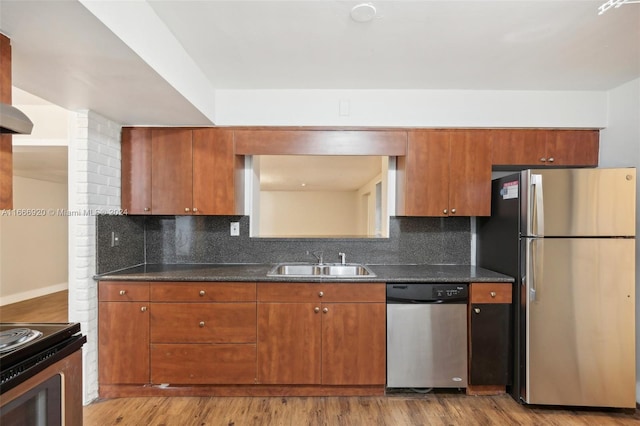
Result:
x=490 y=293
x=203 y=364
x=321 y=292
x=203 y=292
x=203 y=322
x=123 y=291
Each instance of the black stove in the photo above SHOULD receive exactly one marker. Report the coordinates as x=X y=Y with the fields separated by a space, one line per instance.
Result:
x=28 y=348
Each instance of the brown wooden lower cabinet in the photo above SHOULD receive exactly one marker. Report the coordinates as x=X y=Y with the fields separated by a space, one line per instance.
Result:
x=489 y=337
x=314 y=342
x=212 y=339
x=123 y=333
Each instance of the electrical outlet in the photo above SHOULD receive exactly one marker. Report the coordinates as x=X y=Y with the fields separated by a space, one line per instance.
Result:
x=235 y=229
x=115 y=239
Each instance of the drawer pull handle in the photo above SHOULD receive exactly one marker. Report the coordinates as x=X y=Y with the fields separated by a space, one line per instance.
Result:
x=493 y=294
x=325 y=310
x=146 y=209
x=143 y=309
x=201 y=324
x=316 y=309
x=320 y=294
x=123 y=292
x=476 y=310
x=202 y=293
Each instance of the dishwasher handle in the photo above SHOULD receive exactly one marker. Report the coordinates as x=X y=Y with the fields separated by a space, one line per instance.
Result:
x=399 y=300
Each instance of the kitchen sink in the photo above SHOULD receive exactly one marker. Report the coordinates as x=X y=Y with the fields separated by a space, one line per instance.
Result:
x=327 y=270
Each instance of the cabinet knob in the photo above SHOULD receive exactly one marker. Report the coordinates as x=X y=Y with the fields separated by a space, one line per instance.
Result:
x=551 y=159
x=453 y=211
x=493 y=294
x=202 y=293
x=146 y=209
x=143 y=309
x=123 y=292
x=542 y=160
x=316 y=309
x=445 y=211
x=325 y=310
x=195 y=209
x=201 y=324
x=320 y=294
x=187 y=209
x=476 y=310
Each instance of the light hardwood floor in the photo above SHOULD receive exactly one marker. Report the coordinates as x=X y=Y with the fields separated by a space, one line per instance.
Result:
x=438 y=408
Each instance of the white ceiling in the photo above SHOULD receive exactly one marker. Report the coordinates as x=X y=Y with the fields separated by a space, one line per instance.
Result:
x=160 y=62
x=65 y=54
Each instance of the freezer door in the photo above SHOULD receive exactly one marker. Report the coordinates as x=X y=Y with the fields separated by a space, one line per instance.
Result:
x=580 y=322
x=578 y=202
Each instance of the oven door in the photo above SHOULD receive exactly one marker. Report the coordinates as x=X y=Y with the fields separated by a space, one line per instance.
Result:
x=38 y=406
x=52 y=396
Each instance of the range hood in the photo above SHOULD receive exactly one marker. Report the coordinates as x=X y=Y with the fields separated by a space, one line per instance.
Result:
x=14 y=121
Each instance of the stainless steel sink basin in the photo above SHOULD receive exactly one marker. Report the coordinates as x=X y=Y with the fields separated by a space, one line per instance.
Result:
x=328 y=270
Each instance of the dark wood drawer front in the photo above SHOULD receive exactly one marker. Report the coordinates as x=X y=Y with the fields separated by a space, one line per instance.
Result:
x=203 y=323
x=203 y=292
x=321 y=292
x=490 y=293
x=203 y=364
x=123 y=291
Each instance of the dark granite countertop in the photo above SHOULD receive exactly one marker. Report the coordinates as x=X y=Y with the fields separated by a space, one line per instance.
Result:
x=258 y=272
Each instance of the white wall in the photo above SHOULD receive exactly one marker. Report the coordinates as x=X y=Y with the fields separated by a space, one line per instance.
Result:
x=419 y=108
x=33 y=241
x=94 y=186
x=326 y=213
x=620 y=147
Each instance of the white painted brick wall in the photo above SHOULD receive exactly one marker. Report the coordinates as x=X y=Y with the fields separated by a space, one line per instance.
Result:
x=94 y=184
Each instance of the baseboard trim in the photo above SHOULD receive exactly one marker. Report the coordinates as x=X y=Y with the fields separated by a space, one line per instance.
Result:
x=37 y=292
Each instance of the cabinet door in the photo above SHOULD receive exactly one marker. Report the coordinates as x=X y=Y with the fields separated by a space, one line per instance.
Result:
x=136 y=170
x=353 y=344
x=519 y=147
x=289 y=343
x=572 y=147
x=470 y=175
x=216 y=170
x=424 y=182
x=171 y=171
x=489 y=343
x=123 y=342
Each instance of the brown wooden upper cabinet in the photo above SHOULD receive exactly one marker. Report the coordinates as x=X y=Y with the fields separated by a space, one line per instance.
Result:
x=545 y=147
x=178 y=171
x=445 y=173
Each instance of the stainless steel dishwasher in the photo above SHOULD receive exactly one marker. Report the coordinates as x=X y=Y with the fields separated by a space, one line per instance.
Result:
x=426 y=335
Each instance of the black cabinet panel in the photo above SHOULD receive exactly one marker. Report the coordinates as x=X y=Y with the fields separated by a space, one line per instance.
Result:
x=489 y=345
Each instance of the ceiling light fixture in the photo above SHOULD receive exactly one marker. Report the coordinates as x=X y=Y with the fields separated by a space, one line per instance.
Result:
x=614 y=3
x=363 y=12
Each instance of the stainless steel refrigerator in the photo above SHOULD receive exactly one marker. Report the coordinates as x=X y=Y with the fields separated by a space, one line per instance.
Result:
x=568 y=237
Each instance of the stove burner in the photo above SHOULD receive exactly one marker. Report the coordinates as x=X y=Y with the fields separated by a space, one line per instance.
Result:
x=14 y=338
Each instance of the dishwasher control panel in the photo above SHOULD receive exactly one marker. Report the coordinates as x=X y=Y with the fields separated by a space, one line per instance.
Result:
x=449 y=292
x=427 y=293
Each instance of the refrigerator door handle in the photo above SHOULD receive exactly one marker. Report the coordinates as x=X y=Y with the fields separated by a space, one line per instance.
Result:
x=537 y=210
x=535 y=248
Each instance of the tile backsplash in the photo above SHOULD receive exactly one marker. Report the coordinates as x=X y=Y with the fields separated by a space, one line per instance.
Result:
x=206 y=239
